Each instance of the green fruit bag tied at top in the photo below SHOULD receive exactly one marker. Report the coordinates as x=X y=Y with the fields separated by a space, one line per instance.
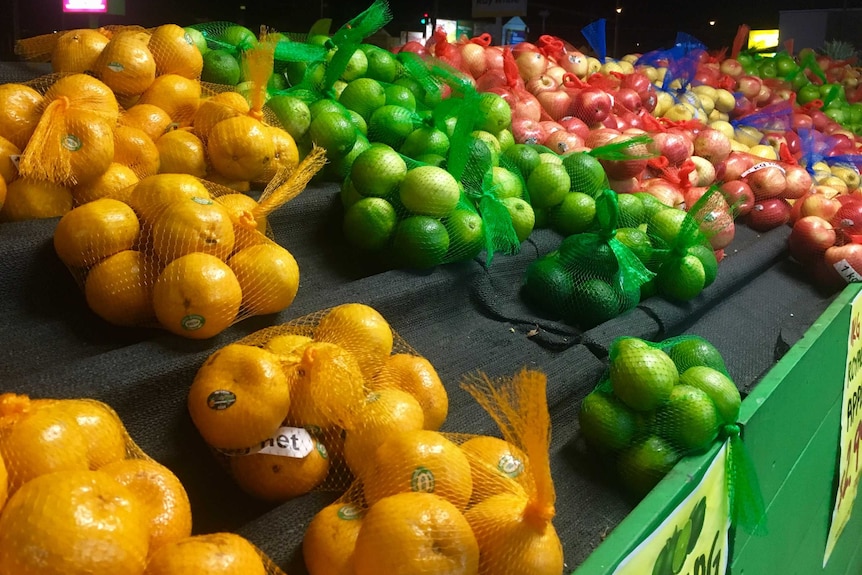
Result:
x=660 y=402
x=592 y=276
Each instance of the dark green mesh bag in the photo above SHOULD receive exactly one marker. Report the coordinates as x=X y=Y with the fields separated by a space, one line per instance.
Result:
x=662 y=401
x=593 y=276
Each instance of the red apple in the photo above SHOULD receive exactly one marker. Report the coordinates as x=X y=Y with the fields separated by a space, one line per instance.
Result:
x=798 y=182
x=801 y=120
x=563 y=142
x=667 y=193
x=531 y=64
x=622 y=169
x=631 y=121
x=522 y=47
x=591 y=105
x=600 y=137
x=557 y=73
x=575 y=126
x=673 y=145
x=763 y=96
x=528 y=132
x=846 y=260
x=550 y=127
x=494 y=57
x=473 y=59
x=649 y=99
x=733 y=167
x=816 y=204
x=575 y=63
x=712 y=145
x=810 y=238
x=742 y=106
x=768 y=214
x=749 y=86
x=731 y=67
x=415 y=47
x=738 y=195
x=848 y=219
x=525 y=105
x=704 y=174
x=491 y=80
x=628 y=99
x=627 y=186
x=818 y=119
x=826 y=276
x=541 y=83
x=767 y=182
x=556 y=103
x=637 y=82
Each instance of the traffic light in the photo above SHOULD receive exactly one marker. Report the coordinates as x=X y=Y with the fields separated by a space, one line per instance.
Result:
x=424 y=19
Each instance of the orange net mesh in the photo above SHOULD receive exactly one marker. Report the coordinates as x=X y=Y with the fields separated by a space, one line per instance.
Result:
x=79 y=496
x=182 y=253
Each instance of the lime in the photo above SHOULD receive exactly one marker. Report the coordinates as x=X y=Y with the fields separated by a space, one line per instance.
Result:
x=421 y=242
x=357 y=66
x=696 y=351
x=575 y=214
x=587 y=174
x=194 y=36
x=317 y=39
x=413 y=85
x=720 y=389
x=430 y=191
x=594 y=302
x=466 y=234
x=588 y=253
x=689 y=420
x=606 y=422
x=349 y=195
x=343 y=165
x=506 y=139
x=324 y=105
x=637 y=241
x=707 y=257
x=400 y=96
x=363 y=96
x=548 y=287
x=378 y=171
x=292 y=113
x=276 y=83
x=382 y=65
x=358 y=122
x=494 y=113
x=632 y=211
x=506 y=184
x=547 y=185
x=651 y=204
x=492 y=143
x=665 y=225
x=621 y=344
x=391 y=125
x=644 y=464
x=480 y=160
x=523 y=157
x=681 y=279
x=425 y=140
x=523 y=217
x=334 y=132
x=432 y=160
x=550 y=158
x=220 y=67
x=369 y=223
x=239 y=36
x=643 y=377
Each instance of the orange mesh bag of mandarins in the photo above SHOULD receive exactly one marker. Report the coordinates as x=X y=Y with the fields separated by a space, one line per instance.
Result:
x=427 y=502
x=79 y=496
x=293 y=408
x=182 y=253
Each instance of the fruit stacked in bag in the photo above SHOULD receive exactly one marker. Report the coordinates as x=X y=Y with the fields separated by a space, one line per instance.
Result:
x=598 y=274
x=86 y=136
x=658 y=402
x=78 y=496
x=431 y=503
x=296 y=407
x=182 y=253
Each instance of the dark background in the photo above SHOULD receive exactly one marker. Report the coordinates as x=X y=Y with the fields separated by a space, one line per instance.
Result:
x=643 y=26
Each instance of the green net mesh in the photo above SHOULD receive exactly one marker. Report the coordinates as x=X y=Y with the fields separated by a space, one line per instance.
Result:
x=662 y=401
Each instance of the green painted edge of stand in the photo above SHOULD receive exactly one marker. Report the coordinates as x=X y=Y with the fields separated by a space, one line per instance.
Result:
x=677 y=484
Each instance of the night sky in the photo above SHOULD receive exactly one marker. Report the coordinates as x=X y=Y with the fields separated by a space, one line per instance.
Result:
x=642 y=26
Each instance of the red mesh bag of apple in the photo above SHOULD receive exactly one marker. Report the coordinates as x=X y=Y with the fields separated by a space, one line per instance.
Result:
x=428 y=503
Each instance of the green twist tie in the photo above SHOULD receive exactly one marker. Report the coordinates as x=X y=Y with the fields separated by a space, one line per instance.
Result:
x=467 y=113
x=347 y=39
x=287 y=51
x=810 y=61
x=747 y=509
x=499 y=232
x=621 y=150
x=418 y=70
x=632 y=271
x=832 y=95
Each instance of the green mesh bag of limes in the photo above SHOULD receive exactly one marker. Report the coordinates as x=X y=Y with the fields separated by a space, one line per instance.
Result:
x=660 y=402
x=592 y=276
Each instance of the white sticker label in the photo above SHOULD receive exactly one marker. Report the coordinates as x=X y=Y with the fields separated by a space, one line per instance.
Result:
x=849 y=274
x=293 y=442
x=761 y=166
x=15 y=159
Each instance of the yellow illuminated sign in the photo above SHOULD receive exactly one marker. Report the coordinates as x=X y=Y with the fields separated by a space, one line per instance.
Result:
x=762 y=39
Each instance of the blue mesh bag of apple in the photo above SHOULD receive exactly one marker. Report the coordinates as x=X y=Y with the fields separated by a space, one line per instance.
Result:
x=593 y=276
x=659 y=402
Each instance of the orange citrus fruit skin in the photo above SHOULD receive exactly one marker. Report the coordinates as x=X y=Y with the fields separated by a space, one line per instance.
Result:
x=116 y=183
x=416 y=376
x=196 y=225
x=174 y=52
x=8 y=171
x=176 y=95
x=496 y=466
x=216 y=108
x=35 y=199
x=77 y=51
x=154 y=194
x=126 y=65
x=196 y=296
x=330 y=538
x=134 y=149
x=147 y=117
x=4 y=484
x=86 y=94
x=413 y=533
x=273 y=477
x=101 y=428
x=73 y=523
x=90 y=233
x=163 y=499
x=181 y=152
x=213 y=554
x=20 y=109
x=240 y=148
x=360 y=330
x=239 y=397
x=242 y=206
x=119 y=289
x=268 y=276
